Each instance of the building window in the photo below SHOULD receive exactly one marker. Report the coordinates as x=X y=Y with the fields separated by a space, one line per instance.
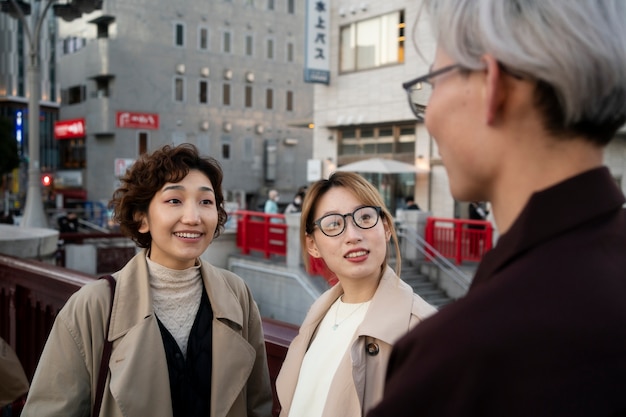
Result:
x=179 y=34
x=372 y=43
x=226 y=94
x=72 y=153
x=270 y=4
x=389 y=140
x=142 y=143
x=225 y=150
x=102 y=87
x=291 y=6
x=203 y=92
x=248 y=149
x=226 y=42
x=249 y=47
x=289 y=101
x=289 y=51
x=74 y=95
x=269 y=99
x=203 y=39
x=248 y=98
x=270 y=49
x=179 y=89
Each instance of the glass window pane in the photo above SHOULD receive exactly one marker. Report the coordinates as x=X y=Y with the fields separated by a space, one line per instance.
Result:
x=347 y=48
x=367 y=36
x=204 y=38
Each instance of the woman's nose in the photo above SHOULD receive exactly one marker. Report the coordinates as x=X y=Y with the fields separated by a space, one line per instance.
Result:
x=352 y=230
x=191 y=214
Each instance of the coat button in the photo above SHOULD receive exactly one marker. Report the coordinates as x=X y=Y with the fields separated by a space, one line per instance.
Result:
x=372 y=349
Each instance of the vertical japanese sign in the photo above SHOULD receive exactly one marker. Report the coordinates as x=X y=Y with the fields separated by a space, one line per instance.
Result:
x=317 y=59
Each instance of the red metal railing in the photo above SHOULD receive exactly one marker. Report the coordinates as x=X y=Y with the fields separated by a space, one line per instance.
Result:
x=32 y=292
x=459 y=239
x=257 y=231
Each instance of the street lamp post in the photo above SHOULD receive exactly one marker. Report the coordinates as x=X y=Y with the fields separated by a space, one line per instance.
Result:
x=34 y=215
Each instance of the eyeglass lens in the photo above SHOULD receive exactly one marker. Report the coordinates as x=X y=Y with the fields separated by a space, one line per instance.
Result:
x=419 y=94
x=334 y=224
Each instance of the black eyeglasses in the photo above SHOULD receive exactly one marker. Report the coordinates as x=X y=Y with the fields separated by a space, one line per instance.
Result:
x=418 y=90
x=334 y=224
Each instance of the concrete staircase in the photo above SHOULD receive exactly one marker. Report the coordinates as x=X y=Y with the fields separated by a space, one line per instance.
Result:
x=424 y=287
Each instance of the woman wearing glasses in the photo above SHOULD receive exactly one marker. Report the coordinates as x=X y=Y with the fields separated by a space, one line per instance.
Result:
x=336 y=365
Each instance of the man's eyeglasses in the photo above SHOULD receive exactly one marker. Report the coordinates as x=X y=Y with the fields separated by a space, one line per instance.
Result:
x=419 y=90
x=334 y=224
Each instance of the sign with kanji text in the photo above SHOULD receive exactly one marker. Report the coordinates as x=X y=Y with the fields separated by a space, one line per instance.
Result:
x=316 y=58
x=132 y=120
x=69 y=129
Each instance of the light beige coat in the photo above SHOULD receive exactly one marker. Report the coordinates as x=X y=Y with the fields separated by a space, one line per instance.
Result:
x=13 y=381
x=358 y=383
x=138 y=382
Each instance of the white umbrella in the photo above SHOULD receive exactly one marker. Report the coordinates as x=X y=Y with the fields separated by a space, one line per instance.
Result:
x=380 y=165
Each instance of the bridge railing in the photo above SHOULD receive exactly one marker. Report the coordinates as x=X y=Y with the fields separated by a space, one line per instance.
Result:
x=261 y=232
x=459 y=239
x=32 y=293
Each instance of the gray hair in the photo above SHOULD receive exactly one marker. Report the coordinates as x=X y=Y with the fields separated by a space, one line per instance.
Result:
x=574 y=49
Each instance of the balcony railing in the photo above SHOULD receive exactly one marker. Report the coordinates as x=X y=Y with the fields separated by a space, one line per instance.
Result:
x=32 y=292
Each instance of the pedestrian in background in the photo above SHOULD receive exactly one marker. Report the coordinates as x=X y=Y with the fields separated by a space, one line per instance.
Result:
x=336 y=364
x=410 y=204
x=296 y=205
x=187 y=337
x=528 y=94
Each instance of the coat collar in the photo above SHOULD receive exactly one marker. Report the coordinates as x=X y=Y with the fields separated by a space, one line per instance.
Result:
x=133 y=300
x=551 y=212
x=380 y=322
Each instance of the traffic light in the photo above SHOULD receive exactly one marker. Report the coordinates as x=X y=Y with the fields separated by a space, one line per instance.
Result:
x=46 y=180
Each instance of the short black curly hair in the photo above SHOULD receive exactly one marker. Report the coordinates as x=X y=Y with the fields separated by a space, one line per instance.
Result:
x=149 y=174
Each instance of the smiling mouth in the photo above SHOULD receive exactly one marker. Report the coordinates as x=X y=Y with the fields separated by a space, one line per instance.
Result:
x=188 y=235
x=356 y=254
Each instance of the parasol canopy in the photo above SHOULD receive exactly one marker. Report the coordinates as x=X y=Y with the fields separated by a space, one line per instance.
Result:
x=381 y=166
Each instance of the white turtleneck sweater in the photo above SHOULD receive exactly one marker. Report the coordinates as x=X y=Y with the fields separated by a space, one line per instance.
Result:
x=176 y=298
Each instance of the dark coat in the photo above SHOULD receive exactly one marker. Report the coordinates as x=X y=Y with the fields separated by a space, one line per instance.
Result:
x=542 y=331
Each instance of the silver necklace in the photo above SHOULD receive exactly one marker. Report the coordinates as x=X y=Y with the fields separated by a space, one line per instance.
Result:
x=348 y=316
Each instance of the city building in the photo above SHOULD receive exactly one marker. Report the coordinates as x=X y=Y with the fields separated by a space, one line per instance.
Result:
x=224 y=75
x=363 y=111
x=15 y=90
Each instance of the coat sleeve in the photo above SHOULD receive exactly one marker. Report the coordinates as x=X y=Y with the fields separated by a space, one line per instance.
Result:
x=13 y=381
x=64 y=376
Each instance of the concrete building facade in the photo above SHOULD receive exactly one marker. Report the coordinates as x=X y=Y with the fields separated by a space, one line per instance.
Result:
x=226 y=76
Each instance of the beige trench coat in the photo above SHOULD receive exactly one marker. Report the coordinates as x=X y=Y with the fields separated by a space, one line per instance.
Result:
x=359 y=380
x=13 y=381
x=138 y=381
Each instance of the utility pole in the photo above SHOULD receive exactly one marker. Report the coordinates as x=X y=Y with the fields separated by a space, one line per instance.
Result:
x=34 y=215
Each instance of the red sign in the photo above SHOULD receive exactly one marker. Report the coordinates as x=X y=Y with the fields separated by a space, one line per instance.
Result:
x=69 y=129
x=130 y=120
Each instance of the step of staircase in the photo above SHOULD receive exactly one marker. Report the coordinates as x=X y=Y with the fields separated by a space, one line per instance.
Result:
x=424 y=287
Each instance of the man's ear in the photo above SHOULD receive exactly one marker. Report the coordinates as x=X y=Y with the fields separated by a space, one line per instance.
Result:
x=311 y=247
x=495 y=90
